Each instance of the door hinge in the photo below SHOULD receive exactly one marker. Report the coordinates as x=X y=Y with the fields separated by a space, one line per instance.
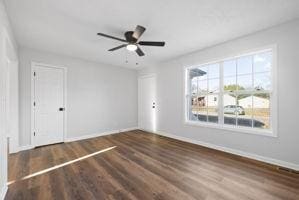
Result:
x=34 y=133
x=34 y=103
x=34 y=73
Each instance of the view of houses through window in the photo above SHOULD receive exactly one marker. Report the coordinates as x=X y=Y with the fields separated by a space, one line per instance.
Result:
x=234 y=92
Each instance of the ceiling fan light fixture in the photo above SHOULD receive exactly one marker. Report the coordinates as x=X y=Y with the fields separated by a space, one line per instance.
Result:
x=131 y=47
x=132 y=41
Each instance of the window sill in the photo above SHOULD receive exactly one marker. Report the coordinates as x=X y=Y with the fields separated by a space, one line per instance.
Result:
x=254 y=131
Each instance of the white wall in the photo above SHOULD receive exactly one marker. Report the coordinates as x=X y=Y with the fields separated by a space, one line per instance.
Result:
x=283 y=149
x=13 y=116
x=7 y=51
x=100 y=97
x=3 y=133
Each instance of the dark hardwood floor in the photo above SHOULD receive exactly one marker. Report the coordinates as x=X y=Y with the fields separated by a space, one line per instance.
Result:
x=140 y=165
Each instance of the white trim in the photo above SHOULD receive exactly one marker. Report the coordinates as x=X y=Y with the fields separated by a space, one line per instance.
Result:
x=237 y=129
x=234 y=151
x=273 y=132
x=128 y=129
x=274 y=106
x=31 y=105
x=93 y=135
x=3 y=192
x=33 y=65
x=83 y=137
x=13 y=150
x=146 y=130
x=24 y=148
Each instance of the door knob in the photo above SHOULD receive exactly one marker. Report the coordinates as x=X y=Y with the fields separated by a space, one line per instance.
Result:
x=61 y=109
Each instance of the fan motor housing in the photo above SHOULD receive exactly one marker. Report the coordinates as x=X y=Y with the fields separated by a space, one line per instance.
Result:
x=129 y=37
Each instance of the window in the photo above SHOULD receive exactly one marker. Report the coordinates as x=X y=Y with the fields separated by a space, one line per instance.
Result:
x=233 y=93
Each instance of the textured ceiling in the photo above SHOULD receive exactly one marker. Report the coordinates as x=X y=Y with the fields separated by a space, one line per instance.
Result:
x=69 y=27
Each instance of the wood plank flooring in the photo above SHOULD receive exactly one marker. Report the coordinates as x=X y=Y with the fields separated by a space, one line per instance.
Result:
x=140 y=165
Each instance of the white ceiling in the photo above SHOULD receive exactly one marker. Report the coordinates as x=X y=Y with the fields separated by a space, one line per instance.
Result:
x=69 y=27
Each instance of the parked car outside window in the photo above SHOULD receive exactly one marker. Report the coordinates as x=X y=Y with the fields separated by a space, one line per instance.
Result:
x=233 y=109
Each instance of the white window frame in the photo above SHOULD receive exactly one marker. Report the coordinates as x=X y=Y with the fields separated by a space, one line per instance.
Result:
x=272 y=132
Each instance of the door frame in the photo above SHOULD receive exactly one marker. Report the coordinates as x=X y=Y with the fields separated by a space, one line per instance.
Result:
x=33 y=66
x=151 y=75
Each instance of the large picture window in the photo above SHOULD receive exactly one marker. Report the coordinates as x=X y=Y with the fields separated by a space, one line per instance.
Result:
x=232 y=93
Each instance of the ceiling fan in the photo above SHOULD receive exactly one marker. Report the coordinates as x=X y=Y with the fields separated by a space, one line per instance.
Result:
x=132 y=41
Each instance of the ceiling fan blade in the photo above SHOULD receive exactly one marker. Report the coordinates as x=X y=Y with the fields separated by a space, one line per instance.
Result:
x=111 y=37
x=138 y=32
x=139 y=52
x=150 y=43
x=118 y=47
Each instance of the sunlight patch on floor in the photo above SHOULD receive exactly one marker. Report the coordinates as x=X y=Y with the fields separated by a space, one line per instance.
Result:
x=62 y=165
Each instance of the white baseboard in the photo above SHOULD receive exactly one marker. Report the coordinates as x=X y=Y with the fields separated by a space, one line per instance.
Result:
x=128 y=129
x=234 y=151
x=16 y=149
x=24 y=148
x=3 y=192
x=83 y=137
x=13 y=150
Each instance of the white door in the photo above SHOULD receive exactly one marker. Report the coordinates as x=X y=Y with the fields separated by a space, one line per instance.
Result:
x=48 y=105
x=147 y=103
